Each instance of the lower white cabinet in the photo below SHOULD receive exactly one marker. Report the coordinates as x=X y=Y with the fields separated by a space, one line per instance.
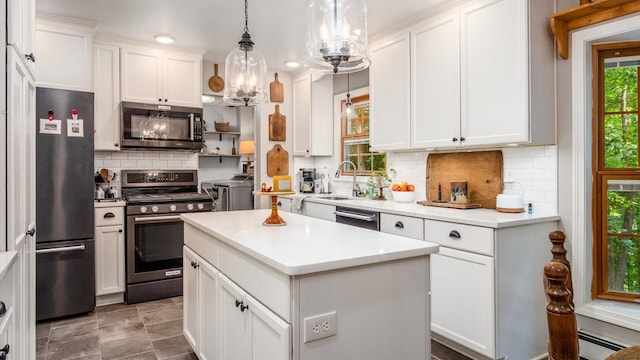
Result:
x=320 y=211
x=110 y=250
x=8 y=297
x=407 y=226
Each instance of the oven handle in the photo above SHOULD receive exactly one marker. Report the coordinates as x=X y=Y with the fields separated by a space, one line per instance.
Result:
x=156 y=218
x=60 y=249
x=350 y=215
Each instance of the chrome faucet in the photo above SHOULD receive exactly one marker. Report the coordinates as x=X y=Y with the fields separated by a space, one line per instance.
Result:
x=356 y=191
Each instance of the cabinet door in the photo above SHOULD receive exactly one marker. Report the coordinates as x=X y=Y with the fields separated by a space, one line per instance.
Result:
x=110 y=260
x=182 y=80
x=495 y=72
x=21 y=29
x=435 y=82
x=190 y=297
x=140 y=75
x=389 y=78
x=208 y=311
x=462 y=299
x=270 y=335
x=64 y=55
x=235 y=325
x=106 y=78
x=302 y=116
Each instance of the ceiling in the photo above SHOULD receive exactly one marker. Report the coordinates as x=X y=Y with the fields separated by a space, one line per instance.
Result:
x=276 y=26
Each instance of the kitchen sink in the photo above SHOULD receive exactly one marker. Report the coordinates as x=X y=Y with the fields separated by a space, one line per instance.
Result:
x=334 y=197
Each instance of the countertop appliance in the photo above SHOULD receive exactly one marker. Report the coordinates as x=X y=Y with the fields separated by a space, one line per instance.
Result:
x=65 y=270
x=308 y=178
x=357 y=217
x=154 y=232
x=232 y=194
x=154 y=127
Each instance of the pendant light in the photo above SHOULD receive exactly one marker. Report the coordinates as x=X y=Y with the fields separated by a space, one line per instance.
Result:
x=348 y=111
x=245 y=71
x=337 y=36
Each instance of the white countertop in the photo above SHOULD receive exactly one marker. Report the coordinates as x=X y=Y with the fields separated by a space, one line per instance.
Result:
x=104 y=203
x=7 y=259
x=479 y=217
x=305 y=245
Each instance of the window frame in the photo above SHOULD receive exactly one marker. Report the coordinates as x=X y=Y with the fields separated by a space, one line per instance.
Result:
x=602 y=174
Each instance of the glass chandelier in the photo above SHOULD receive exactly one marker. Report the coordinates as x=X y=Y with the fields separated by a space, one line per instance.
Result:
x=337 y=36
x=245 y=71
x=348 y=111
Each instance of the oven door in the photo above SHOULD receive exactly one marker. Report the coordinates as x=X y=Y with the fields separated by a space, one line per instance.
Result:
x=154 y=247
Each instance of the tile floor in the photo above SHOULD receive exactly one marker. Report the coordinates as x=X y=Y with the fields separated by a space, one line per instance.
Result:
x=145 y=331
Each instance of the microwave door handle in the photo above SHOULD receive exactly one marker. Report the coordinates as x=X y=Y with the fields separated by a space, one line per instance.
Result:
x=226 y=194
x=192 y=117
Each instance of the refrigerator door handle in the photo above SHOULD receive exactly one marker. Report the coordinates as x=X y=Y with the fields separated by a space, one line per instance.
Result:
x=60 y=249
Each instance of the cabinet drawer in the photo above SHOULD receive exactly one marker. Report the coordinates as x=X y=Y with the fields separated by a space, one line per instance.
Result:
x=459 y=236
x=402 y=225
x=110 y=216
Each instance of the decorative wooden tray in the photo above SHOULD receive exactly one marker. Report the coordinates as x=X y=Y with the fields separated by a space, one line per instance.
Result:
x=450 y=205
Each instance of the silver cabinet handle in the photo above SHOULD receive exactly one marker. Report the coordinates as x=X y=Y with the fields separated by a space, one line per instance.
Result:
x=454 y=234
x=3 y=309
x=60 y=249
x=155 y=218
x=109 y=215
x=355 y=216
x=399 y=225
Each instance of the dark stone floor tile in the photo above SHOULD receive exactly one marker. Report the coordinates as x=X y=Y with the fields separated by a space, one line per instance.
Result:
x=126 y=329
x=119 y=348
x=41 y=346
x=163 y=315
x=165 y=329
x=187 y=356
x=144 y=356
x=43 y=330
x=73 y=331
x=74 y=348
x=89 y=357
x=178 y=300
x=83 y=318
x=41 y=356
x=169 y=347
x=118 y=317
x=112 y=307
x=441 y=352
x=156 y=305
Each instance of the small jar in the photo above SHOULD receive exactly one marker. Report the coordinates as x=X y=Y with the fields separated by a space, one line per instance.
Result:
x=99 y=193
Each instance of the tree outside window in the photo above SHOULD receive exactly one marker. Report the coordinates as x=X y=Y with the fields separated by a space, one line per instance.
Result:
x=616 y=172
x=355 y=140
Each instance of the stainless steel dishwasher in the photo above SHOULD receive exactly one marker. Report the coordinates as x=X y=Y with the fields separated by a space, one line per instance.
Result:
x=357 y=217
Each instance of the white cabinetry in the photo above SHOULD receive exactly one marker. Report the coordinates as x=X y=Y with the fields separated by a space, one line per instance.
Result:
x=478 y=301
x=106 y=78
x=200 y=305
x=473 y=81
x=21 y=29
x=313 y=115
x=408 y=226
x=65 y=51
x=154 y=76
x=8 y=299
x=110 y=250
x=248 y=330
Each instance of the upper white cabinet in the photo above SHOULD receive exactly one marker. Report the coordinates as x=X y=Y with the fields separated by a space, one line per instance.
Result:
x=389 y=78
x=65 y=51
x=473 y=81
x=21 y=29
x=106 y=78
x=154 y=76
x=313 y=115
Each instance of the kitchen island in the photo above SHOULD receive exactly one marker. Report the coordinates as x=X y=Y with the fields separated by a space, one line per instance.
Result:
x=309 y=290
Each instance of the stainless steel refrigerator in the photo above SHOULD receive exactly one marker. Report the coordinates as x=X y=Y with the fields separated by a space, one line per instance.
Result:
x=65 y=270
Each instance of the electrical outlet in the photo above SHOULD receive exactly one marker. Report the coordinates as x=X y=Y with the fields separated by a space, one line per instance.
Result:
x=320 y=326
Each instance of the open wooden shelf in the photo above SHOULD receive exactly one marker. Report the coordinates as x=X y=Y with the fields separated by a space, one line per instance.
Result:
x=220 y=156
x=587 y=14
x=220 y=133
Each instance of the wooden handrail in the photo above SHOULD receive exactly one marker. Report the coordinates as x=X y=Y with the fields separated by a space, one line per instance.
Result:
x=561 y=319
x=588 y=13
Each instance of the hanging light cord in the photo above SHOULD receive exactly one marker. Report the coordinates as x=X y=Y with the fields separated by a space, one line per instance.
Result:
x=246 y=16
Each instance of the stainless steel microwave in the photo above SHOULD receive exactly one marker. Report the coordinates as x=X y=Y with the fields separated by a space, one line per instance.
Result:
x=157 y=127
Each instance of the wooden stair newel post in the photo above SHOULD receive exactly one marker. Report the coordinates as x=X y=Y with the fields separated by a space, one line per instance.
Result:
x=559 y=253
x=561 y=320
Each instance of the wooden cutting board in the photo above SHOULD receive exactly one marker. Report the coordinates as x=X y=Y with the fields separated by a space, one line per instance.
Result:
x=277 y=126
x=482 y=170
x=277 y=161
x=276 y=90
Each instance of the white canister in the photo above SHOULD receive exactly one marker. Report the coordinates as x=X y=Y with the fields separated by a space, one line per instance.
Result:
x=99 y=193
x=509 y=203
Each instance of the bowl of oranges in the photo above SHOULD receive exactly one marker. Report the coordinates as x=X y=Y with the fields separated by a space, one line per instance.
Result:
x=403 y=191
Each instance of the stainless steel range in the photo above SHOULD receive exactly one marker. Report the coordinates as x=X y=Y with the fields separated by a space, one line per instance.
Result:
x=154 y=231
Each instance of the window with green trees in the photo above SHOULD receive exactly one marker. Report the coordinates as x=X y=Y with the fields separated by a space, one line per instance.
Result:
x=355 y=139
x=616 y=172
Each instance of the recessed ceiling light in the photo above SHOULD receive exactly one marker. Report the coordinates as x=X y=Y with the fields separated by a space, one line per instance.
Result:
x=164 y=39
x=292 y=63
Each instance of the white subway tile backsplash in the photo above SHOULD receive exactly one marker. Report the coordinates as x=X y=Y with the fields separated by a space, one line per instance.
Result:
x=128 y=164
x=119 y=156
x=151 y=155
x=144 y=164
x=136 y=155
x=160 y=164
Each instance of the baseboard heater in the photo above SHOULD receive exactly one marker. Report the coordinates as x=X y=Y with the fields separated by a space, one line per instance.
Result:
x=593 y=347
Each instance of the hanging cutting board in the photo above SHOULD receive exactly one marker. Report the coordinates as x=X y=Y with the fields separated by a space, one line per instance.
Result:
x=482 y=170
x=216 y=83
x=277 y=126
x=277 y=161
x=276 y=90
